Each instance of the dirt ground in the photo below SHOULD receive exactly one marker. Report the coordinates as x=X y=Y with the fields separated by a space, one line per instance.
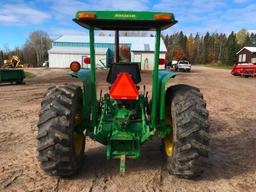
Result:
x=231 y=102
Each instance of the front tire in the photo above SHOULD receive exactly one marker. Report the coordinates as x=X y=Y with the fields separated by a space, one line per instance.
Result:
x=186 y=110
x=60 y=147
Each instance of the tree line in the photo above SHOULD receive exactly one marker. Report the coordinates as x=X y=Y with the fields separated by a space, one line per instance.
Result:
x=34 y=52
x=198 y=49
x=209 y=48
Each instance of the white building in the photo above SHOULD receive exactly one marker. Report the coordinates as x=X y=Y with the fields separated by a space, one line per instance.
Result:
x=75 y=48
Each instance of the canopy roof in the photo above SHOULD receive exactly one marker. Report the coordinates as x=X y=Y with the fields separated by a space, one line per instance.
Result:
x=125 y=20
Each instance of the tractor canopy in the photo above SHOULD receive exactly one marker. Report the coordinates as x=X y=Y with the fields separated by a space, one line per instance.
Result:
x=125 y=20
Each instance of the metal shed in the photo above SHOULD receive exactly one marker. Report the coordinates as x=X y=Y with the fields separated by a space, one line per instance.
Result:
x=68 y=48
x=61 y=57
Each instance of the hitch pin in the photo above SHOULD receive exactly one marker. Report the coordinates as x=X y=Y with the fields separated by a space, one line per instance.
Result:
x=122 y=165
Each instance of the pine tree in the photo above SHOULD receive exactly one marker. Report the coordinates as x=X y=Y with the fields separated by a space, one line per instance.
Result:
x=211 y=53
x=253 y=39
x=197 y=43
x=206 y=48
x=247 y=41
x=231 y=48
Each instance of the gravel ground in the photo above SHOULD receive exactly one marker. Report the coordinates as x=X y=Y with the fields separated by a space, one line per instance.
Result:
x=231 y=104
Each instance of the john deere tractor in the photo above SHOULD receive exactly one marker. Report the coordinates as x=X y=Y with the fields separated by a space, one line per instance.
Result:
x=124 y=117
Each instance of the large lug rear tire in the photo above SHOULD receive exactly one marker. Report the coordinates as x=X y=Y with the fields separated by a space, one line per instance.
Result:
x=60 y=147
x=187 y=147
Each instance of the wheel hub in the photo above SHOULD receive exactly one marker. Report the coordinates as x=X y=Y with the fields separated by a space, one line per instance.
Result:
x=168 y=140
x=168 y=144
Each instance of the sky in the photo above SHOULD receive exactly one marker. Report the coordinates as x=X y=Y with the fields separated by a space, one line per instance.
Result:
x=18 y=18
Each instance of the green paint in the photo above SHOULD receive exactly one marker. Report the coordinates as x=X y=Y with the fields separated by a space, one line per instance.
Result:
x=155 y=88
x=134 y=20
x=125 y=15
x=12 y=75
x=122 y=164
x=164 y=77
x=93 y=78
x=82 y=74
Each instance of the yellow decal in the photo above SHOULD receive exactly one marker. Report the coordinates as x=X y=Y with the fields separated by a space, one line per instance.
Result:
x=125 y=15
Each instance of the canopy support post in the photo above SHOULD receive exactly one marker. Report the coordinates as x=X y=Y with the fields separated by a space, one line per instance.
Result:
x=116 y=46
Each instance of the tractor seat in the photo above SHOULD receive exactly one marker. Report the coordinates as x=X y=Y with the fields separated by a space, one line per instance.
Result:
x=117 y=68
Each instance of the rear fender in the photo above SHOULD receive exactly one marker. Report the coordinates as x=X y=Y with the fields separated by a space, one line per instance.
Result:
x=163 y=77
x=84 y=76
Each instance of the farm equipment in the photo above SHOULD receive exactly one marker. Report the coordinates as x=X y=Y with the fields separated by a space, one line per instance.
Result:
x=14 y=62
x=10 y=73
x=124 y=117
x=244 y=70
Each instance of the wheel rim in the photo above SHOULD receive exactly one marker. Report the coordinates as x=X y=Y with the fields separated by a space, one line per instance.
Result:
x=78 y=142
x=78 y=139
x=168 y=144
x=168 y=140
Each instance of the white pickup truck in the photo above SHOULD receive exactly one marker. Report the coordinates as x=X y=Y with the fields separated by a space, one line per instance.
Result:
x=183 y=65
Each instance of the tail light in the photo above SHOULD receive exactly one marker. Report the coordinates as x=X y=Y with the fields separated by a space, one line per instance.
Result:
x=162 y=61
x=75 y=66
x=86 y=16
x=87 y=60
x=163 y=17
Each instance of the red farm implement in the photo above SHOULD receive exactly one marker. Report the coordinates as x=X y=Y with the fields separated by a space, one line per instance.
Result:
x=244 y=70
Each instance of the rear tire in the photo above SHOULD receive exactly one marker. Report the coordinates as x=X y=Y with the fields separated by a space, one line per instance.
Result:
x=189 y=118
x=60 y=147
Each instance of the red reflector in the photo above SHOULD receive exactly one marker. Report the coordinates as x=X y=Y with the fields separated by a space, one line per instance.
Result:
x=162 y=61
x=75 y=66
x=124 y=88
x=87 y=60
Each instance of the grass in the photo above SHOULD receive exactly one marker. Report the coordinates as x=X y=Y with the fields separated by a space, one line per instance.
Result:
x=29 y=75
x=219 y=66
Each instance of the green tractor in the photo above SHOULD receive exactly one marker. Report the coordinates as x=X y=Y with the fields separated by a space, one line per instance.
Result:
x=124 y=117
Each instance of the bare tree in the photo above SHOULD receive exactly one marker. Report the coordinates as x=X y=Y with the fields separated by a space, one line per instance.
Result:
x=29 y=56
x=41 y=43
